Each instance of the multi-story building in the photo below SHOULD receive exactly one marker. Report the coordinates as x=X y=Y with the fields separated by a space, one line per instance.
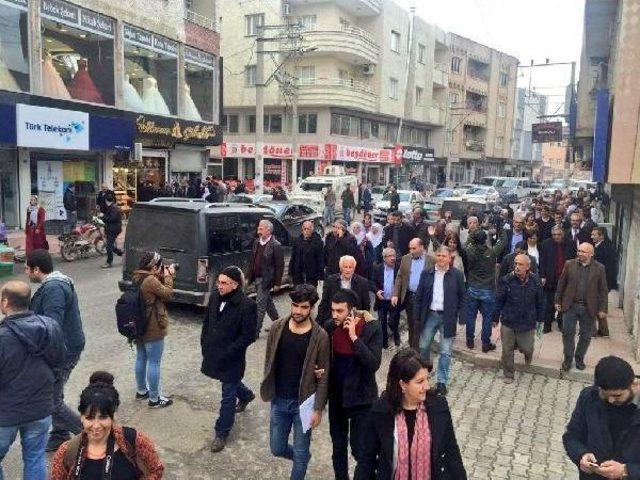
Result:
x=554 y=160
x=82 y=83
x=526 y=156
x=372 y=76
x=482 y=86
x=607 y=134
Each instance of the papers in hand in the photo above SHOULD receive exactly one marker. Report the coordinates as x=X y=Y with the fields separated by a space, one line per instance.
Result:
x=306 y=412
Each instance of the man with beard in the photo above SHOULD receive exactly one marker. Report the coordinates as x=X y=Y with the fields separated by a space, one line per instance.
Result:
x=296 y=368
x=307 y=257
x=603 y=435
x=397 y=234
x=228 y=329
x=545 y=223
x=338 y=243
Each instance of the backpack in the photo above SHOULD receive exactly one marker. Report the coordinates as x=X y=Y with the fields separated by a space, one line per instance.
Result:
x=131 y=314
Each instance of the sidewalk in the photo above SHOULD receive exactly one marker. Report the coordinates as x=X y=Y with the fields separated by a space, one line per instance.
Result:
x=548 y=355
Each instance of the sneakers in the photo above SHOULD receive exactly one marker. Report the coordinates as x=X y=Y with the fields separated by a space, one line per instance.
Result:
x=142 y=396
x=488 y=348
x=106 y=265
x=161 y=403
x=242 y=406
x=218 y=444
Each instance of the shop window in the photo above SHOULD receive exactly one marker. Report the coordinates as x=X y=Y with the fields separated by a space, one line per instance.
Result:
x=14 y=48
x=151 y=73
x=200 y=89
x=78 y=64
x=308 y=123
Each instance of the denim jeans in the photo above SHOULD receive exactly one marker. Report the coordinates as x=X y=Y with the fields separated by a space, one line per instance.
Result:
x=485 y=301
x=329 y=215
x=33 y=438
x=346 y=215
x=64 y=419
x=148 y=368
x=285 y=414
x=387 y=314
x=435 y=323
x=231 y=392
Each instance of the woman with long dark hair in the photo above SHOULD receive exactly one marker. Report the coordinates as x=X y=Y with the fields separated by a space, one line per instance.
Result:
x=410 y=433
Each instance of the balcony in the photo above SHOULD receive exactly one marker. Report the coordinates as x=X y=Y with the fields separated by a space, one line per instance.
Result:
x=476 y=118
x=201 y=20
x=474 y=148
x=477 y=83
x=440 y=76
x=348 y=43
x=359 y=8
x=202 y=32
x=337 y=92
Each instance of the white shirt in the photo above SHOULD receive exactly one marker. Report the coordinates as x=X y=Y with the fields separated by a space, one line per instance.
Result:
x=345 y=283
x=533 y=251
x=222 y=305
x=265 y=241
x=437 y=299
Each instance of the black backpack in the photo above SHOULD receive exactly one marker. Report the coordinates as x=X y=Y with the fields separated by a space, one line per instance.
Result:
x=131 y=314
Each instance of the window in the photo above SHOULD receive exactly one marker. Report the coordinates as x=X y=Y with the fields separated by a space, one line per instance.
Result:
x=250 y=76
x=251 y=122
x=366 y=128
x=272 y=123
x=308 y=22
x=502 y=109
x=306 y=74
x=451 y=136
x=252 y=22
x=200 y=91
x=422 y=53
x=345 y=125
x=229 y=123
x=455 y=64
x=393 y=88
x=454 y=97
x=499 y=142
x=14 y=53
x=419 y=96
x=395 y=41
x=504 y=79
x=307 y=123
x=376 y=129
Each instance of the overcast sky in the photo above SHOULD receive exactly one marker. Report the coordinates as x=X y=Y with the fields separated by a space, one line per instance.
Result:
x=527 y=29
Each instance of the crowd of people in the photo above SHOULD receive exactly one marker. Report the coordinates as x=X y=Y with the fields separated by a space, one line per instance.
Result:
x=525 y=270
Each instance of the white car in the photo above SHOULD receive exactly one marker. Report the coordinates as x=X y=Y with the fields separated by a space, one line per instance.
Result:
x=482 y=192
x=408 y=200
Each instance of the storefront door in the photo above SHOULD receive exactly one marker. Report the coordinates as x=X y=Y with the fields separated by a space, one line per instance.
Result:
x=9 y=188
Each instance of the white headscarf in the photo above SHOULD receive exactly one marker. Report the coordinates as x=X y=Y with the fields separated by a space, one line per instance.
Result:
x=361 y=233
x=375 y=238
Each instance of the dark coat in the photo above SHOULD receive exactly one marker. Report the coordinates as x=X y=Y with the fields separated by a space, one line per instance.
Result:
x=272 y=263
x=597 y=291
x=508 y=263
x=69 y=200
x=405 y=235
x=226 y=335
x=588 y=432
x=394 y=201
x=547 y=268
x=112 y=219
x=521 y=305
x=360 y=386
x=31 y=349
x=544 y=228
x=336 y=247
x=376 y=460
x=366 y=199
x=508 y=239
x=377 y=280
x=307 y=259
x=101 y=201
x=359 y=285
x=584 y=235
x=454 y=295
x=348 y=201
x=606 y=255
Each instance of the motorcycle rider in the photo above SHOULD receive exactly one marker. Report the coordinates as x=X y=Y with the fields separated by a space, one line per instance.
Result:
x=112 y=219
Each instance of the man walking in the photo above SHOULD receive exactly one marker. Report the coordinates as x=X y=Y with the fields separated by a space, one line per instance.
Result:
x=397 y=234
x=554 y=253
x=112 y=219
x=329 y=206
x=297 y=350
x=356 y=353
x=71 y=207
x=346 y=279
x=520 y=303
x=439 y=302
x=384 y=278
x=306 y=264
x=605 y=253
x=267 y=267
x=348 y=204
x=603 y=435
x=31 y=348
x=576 y=233
x=404 y=290
x=100 y=198
x=228 y=329
x=581 y=295
x=366 y=198
x=57 y=298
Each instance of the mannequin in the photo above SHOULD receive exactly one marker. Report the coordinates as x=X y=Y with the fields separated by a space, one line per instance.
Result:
x=52 y=84
x=190 y=109
x=82 y=87
x=132 y=100
x=152 y=98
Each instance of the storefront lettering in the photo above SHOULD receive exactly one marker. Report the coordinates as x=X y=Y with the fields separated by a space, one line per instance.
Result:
x=136 y=35
x=309 y=151
x=198 y=56
x=96 y=22
x=177 y=131
x=165 y=44
x=60 y=10
x=21 y=3
x=363 y=154
x=273 y=150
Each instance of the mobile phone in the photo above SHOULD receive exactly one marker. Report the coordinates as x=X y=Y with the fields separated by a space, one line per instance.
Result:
x=593 y=464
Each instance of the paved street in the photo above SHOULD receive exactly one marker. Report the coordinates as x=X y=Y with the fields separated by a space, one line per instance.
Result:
x=504 y=431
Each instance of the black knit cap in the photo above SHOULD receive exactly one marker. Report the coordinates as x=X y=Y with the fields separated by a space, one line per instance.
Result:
x=234 y=273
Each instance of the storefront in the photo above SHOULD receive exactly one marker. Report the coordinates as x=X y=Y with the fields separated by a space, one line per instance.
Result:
x=372 y=165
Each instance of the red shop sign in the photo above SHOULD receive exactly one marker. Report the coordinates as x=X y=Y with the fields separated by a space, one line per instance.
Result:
x=309 y=151
x=277 y=150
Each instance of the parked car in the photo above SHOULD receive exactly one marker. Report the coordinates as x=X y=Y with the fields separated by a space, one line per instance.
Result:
x=463 y=189
x=377 y=192
x=440 y=194
x=432 y=210
x=293 y=215
x=482 y=192
x=250 y=198
x=408 y=200
x=513 y=189
x=460 y=206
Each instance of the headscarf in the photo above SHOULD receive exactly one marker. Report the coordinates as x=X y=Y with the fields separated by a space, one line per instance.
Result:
x=360 y=236
x=33 y=211
x=375 y=238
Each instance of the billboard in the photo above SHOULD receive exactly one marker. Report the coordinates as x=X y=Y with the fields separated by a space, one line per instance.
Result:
x=546 y=132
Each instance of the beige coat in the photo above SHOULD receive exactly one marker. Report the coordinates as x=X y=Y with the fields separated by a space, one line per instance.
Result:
x=155 y=294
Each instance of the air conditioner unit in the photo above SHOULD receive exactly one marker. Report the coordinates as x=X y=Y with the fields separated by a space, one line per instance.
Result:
x=286 y=9
x=368 y=69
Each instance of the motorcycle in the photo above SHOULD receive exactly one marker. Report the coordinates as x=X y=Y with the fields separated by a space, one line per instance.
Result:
x=83 y=241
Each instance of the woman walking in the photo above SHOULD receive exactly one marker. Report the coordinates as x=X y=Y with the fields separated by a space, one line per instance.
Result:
x=36 y=237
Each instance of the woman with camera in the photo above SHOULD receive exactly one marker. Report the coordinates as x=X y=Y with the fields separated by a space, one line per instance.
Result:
x=156 y=287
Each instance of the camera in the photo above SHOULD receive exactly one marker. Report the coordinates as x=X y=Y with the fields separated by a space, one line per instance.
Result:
x=176 y=266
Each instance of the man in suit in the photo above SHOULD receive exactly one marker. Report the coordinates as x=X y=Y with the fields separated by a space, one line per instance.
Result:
x=307 y=257
x=605 y=253
x=397 y=234
x=575 y=232
x=384 y=277
x=554 y=252
x=406 y=286
x=266 y=269
x=581 y=295
x=346 y=279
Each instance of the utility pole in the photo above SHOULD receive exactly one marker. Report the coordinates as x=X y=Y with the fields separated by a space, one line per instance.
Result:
x=259 y=159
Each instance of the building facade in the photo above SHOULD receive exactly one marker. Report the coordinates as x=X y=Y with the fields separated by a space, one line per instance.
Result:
x=82 y=83
x=526 y=156
x=554 y=160
x=369 y=84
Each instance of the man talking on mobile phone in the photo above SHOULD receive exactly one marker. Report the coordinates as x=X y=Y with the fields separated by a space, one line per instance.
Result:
x=603 y=435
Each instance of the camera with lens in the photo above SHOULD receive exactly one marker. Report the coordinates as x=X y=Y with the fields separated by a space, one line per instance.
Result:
x=176 y=266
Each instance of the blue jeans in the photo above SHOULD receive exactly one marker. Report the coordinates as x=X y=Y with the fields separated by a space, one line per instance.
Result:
x=435 y=323
x=64 y=418
x=329 y=215
x=485 y=301
x=231 y=392
x=285 y=413
x=33 y=437
x=346 y=215
x=148 y=368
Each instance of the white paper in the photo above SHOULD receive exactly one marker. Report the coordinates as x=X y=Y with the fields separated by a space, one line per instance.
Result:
x=306 y=412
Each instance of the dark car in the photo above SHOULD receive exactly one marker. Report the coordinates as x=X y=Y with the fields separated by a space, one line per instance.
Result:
x=459 y=207
x=293 y=215
x=250 y=198
x=203 y=238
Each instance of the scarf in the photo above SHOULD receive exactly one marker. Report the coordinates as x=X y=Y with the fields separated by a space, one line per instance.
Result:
x=33 y=214
x=420 y=454
x=375 y=238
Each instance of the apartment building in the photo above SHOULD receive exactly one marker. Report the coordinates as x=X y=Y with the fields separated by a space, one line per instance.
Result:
x=82 y=83
x=608 y=133
x=526 y=156
x=554 y=160
x=371 y=91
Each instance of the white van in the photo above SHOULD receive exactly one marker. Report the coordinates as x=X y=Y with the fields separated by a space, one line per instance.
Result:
x=311 y=190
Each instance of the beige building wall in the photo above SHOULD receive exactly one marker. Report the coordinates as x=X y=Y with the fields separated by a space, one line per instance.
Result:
x=554 y=155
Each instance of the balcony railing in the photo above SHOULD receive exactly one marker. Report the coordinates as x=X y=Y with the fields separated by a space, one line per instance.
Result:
x=474 y=145
x=361 y=32
x=353 y=44
x=476 y=75
x=337 y=82
x=201 y=20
